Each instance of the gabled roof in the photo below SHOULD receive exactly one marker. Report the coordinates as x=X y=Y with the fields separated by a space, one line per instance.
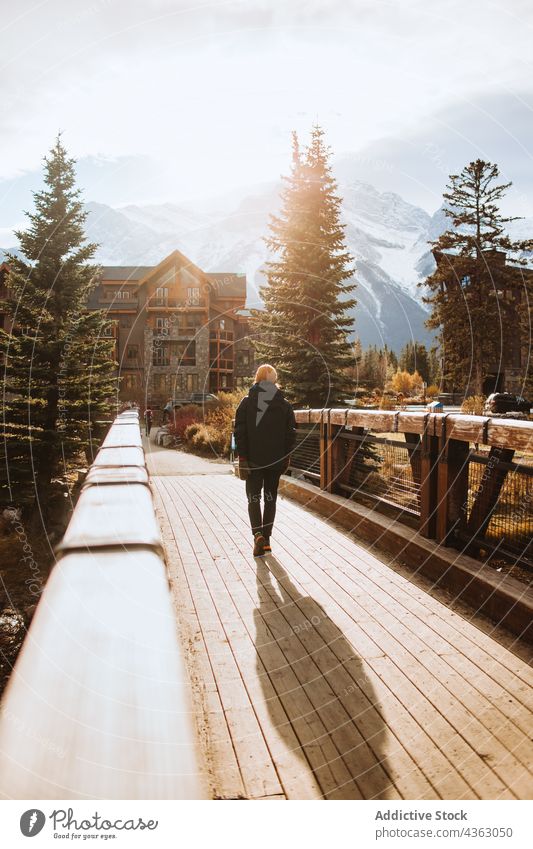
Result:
x=176 y=256
x=227 y=284
x=125 y=272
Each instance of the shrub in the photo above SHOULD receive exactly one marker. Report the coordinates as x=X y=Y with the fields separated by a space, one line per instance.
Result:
x=182 y=418
x=191 y=430
x=207 y=440
x=432 y=391
x=219 y=420
x=473 y=405
x=402 y=382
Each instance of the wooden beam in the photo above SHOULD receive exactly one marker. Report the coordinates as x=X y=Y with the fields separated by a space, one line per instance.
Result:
x=452 y=488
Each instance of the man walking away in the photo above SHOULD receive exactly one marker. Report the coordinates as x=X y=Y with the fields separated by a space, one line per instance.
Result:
x=148 y=420
x=265 y=435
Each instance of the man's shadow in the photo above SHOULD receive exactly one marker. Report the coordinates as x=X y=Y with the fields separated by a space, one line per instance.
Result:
x=324 y=704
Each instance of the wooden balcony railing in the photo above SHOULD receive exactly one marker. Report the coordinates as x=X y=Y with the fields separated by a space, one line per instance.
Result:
x=97 y=705
x=175 y=303
x=461 y=480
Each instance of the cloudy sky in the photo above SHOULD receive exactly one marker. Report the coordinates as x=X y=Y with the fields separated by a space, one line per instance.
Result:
x=171 y=100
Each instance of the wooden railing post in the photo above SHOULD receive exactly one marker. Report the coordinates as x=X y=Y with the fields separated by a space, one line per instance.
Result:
x=452 y=493
x=428 y=481
x=324 y=438
x=335 y=459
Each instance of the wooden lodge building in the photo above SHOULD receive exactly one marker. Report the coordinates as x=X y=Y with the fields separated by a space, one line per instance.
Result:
x=177 y=329
x=508 y=371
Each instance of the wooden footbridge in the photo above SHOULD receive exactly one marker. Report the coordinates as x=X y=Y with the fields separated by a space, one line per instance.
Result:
x=164 y=661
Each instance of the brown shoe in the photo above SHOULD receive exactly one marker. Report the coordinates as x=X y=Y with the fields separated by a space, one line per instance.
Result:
x=259 y=545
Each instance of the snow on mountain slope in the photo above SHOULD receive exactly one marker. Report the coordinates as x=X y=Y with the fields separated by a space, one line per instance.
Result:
x=386 y=235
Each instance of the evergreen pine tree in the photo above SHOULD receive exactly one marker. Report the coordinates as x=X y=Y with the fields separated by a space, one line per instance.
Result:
x=475 y=321
x=58 y=373
x=304 y=327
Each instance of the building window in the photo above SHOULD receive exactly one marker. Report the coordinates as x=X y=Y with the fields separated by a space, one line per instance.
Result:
x=243 y=358
x=185 y=352
x=130 y=381
x=161 y=296
x=162 y=325
x=160 y=382
x=225 y=381
x=132 y=352
x=192 y=383
x=160 y=355
x=193 y=295
x=126 y=322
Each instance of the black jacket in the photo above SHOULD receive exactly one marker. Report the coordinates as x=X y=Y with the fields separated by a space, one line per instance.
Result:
x=265 y=427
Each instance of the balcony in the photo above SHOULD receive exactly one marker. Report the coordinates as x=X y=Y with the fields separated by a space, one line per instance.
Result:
x=175 y=304
x=175 y=332
x=221 y=364
x=223 y=335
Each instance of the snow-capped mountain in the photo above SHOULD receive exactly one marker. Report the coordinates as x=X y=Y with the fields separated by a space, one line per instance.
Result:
x=387 y=236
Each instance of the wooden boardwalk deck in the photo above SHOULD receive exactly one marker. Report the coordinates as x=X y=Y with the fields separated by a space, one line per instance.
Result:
x=320 y=672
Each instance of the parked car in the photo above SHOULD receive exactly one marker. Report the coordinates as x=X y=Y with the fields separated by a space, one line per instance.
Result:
x=505 y=402
x=200 y=398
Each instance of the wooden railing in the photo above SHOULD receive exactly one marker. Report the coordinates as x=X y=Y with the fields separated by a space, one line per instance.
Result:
x=434 y=484
x=97 y=705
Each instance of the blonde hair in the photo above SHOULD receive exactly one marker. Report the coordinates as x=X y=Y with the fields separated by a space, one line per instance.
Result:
x=266 y=372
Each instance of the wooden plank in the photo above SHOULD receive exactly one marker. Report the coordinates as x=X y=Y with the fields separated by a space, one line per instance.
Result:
x=466 y=428
x=414 y=422
x=376 y=420
x=290 y=633
x=490 y=781
x=425 y=756
x=122 y=435
x=119 y=457
x=103 y=475
x=98 y=704
x=511 y=434
x=508 y=670
x=267 y=706
x=318 y=416
x=338 y=417
x=119 y=515
x=452 y=488
x=255 y=762
x=221 y=767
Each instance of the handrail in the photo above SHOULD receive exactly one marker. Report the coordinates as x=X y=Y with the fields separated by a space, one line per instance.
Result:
x=438 y=451
x=491 y=430
x=98 y=703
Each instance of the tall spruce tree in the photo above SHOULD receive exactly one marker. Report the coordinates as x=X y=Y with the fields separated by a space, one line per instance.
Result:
x=304 y=327
x=58 y=372
x=473 y=294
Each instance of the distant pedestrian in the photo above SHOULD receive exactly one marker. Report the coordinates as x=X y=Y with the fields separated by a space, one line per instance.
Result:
x=148 y=420
x=265 y=435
